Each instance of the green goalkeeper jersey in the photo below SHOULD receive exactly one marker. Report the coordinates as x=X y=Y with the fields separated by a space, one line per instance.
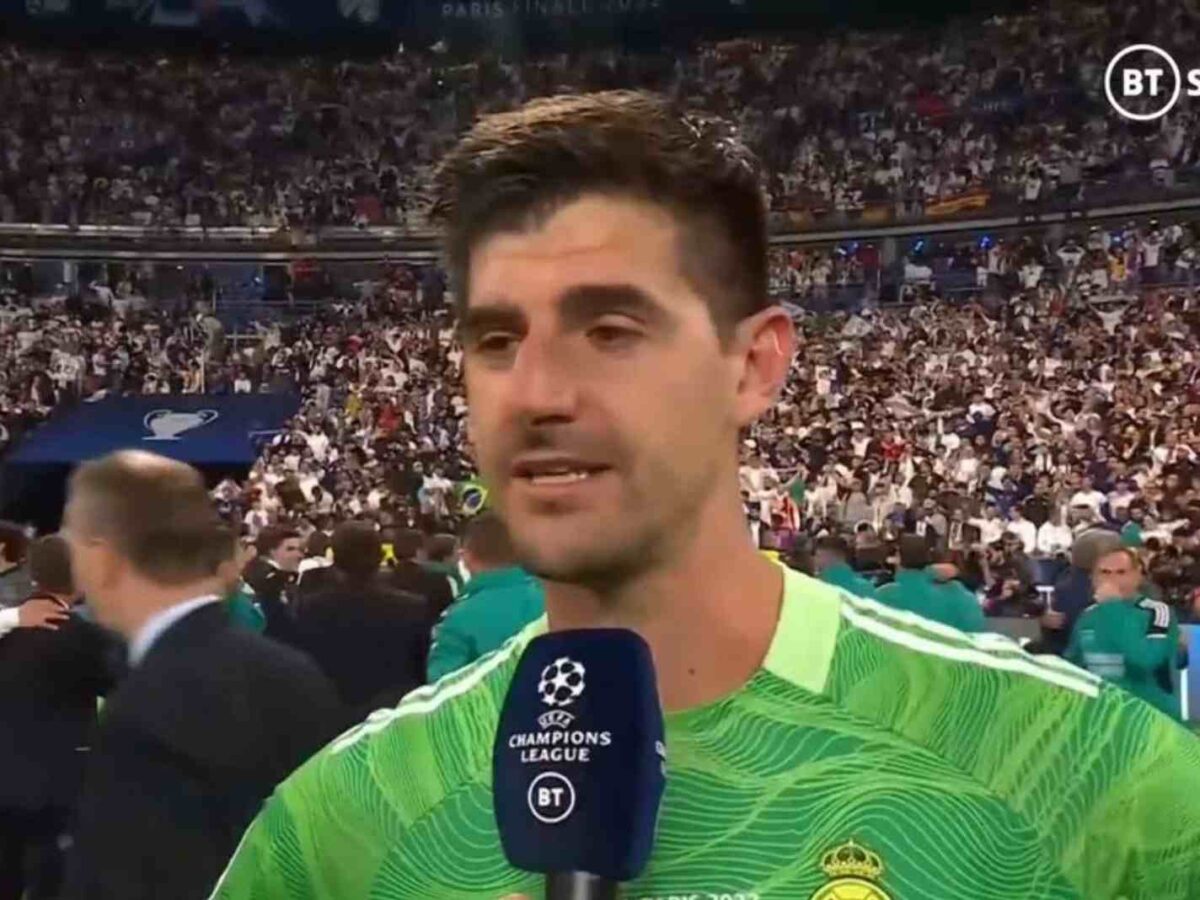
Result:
x=874 y=756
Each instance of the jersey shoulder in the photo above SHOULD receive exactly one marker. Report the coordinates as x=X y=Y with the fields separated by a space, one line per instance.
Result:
x=399 y=799
x=1089 y=766
x=1161 y=615
x=438 y=738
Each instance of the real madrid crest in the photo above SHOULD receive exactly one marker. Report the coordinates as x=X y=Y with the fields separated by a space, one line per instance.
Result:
x=854 y=873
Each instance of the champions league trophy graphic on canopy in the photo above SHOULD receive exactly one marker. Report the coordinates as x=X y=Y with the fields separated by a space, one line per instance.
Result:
x=168 y=425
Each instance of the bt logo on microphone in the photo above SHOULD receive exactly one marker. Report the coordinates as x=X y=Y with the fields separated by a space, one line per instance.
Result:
x=551 y=798
x=562 y=682
x=1143 y=82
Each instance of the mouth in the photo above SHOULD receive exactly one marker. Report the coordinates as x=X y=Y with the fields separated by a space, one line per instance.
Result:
x=558 y=471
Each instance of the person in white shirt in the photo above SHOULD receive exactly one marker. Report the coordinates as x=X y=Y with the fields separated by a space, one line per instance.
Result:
x=1151 y=248
x=967 y=466
x=1122 y=496
x=256 y=518
x=990 y=525
x=1088 y=496
x=1053 y=537
x=437 y=489
x=860 y=439
x=1025 y=530
x=1032 y=187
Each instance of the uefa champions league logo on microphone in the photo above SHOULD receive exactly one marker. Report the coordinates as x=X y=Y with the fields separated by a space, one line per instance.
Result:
x=169 y=424
x=562 y=682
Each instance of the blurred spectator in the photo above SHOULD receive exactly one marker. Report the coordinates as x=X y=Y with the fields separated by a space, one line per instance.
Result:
x=830 y=559
x=272 y=575
x=499 y=599
x=1126 y=637
x=15 y=584
x=369 y=638
x=916 y=590
x=49 y=684
x=856 y=124
x=410 y=575
x=210 y=717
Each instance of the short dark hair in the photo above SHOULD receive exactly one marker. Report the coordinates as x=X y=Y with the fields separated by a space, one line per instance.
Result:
x=487 y=539
x=833 y=544
x=318 y=544
x=272 y=536
x=407 y=543
x=357 y=550
x=155 y=511
x=50 y=565
x=441 y=547
x=914 y=552
x=515 y=168
x=14 y=541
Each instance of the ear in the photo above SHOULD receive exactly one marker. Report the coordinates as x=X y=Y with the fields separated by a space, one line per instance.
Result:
x=762 y=347
x=102 y=562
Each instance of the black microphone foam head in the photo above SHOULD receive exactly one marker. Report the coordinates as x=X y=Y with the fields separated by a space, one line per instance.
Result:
x=579 y=759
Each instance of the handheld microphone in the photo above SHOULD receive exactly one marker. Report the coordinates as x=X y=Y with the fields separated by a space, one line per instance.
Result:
x=579 y=762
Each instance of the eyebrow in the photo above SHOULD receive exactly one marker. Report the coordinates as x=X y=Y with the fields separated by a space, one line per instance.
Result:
x=586 y=301
x=577 y=306
x=478 y=320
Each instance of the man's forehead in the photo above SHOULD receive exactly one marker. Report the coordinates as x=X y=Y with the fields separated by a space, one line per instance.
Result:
x=587 y=240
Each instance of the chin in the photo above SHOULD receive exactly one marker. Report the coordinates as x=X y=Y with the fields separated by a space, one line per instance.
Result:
x=572 y=559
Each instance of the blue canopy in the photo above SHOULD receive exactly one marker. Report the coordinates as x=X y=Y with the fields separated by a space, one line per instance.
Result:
x=198 y=429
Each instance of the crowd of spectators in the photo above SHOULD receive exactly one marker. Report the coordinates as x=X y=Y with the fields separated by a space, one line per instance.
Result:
x=999 y=434
x=1007 y=109
x=1100 y=263
x=1048 y=401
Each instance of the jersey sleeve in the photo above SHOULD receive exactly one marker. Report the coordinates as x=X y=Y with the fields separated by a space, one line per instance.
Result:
x=256 y=867
x=1144 y=840
x=1150 y=646
x=452 y=646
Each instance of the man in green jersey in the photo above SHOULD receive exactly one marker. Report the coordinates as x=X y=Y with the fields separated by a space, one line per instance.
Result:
x=917 y=589
x=610 y=262
x=830 y=559
x=499 y=600
x=1126 y=637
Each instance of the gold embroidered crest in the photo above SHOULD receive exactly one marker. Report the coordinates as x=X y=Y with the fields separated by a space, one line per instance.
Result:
x=854 y=873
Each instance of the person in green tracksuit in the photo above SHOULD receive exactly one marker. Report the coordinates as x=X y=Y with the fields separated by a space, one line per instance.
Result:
x=499 y=599
x=244 y=610
x=241 y=605
x=1127 y=638
x=830 y=555
x=916 y=589
x=441 y=558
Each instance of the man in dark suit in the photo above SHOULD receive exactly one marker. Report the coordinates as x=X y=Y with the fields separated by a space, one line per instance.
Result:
x=50 y=679
x=917 y=521
x=368 y=637
x=272 y=575
x=210 y=717
x=409 y=575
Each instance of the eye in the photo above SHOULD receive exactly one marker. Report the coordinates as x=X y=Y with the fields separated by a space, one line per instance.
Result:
x=614 y=335
x=495 y=343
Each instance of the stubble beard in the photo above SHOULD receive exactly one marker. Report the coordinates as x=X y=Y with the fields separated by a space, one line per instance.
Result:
x=602 y=556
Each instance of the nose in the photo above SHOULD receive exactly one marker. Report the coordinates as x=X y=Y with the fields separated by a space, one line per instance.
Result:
x=545 y=388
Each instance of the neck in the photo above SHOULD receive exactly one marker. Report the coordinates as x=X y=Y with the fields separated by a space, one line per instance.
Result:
x=708 y=614
x=155 y=598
